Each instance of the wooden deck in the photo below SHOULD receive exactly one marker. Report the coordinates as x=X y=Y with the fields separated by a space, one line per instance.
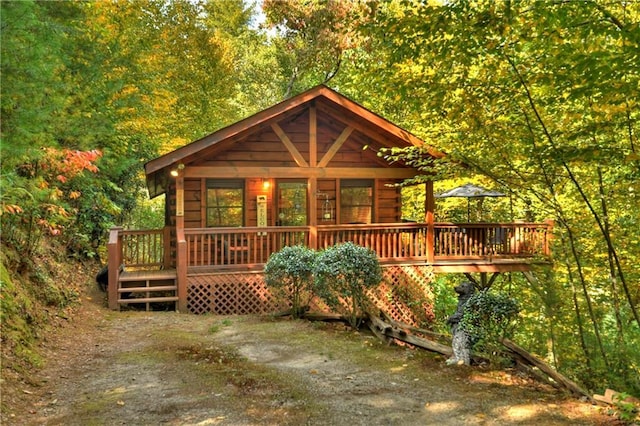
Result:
x=146 y=268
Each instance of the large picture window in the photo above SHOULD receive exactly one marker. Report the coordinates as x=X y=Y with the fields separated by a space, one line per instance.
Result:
x=225 y=202
x=356 y=201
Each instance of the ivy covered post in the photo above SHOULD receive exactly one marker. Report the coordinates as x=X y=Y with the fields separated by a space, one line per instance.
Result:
x=289 y=273
x=343 y=274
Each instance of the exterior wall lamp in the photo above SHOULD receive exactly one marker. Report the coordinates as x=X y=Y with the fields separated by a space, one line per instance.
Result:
x=176 y=172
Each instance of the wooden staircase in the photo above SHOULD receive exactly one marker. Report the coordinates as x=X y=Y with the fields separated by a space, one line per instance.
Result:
x=148 y=287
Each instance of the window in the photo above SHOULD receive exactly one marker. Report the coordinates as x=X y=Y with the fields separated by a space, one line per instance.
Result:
x=225 y=202
x=356 y=201
x=292 y=203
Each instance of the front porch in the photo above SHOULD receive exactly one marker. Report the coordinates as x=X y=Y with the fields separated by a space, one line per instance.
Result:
x=201 y=257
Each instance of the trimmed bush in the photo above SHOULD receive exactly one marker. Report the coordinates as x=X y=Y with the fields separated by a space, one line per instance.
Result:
x=342 y=275
x=289 y=274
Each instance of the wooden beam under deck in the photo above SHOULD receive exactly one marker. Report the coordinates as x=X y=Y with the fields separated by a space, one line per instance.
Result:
x=462 y=266
x=444 y=267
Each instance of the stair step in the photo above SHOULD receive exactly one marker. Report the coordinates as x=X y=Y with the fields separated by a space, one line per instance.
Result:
x=162 y=274
x=148 y=289
x=148 y=300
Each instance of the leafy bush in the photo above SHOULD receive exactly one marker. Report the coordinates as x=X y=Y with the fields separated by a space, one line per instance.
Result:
x=342 y=275
x=488 y=318
x=289 y=272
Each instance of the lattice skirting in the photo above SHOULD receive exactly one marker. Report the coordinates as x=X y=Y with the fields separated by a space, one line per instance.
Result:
x=229 y=294
x=405 y=294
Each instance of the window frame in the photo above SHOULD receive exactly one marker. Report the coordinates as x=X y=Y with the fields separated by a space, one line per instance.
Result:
x=357 y=183
x=226 y=184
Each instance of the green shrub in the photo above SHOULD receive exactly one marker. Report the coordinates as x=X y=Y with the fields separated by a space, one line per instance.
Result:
x=289 y=274
x=342 y=275
x=488 y=318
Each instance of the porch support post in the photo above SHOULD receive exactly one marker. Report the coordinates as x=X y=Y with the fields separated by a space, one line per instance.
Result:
x=114 y=255
x=181 y=272
x=429 y=207
x=313 y=213
x=181 y=255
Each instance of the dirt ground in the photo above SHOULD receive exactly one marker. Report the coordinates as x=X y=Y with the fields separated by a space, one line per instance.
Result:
x=151 y=368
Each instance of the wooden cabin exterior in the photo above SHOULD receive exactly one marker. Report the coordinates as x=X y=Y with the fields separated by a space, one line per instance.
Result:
x=305 y=171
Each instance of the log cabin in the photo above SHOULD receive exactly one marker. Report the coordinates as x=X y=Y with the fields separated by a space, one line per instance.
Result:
x=304 y=171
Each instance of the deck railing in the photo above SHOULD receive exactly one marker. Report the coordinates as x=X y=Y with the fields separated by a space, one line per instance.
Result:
x=454 y=241
x=228 y=247
x=139 y=248
x=390 y=241
x=251 y=246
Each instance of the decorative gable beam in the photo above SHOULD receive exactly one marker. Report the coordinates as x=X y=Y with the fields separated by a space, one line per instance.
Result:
x=336 y=146
x=298 y=158
x=300 y=172
x=313 y=136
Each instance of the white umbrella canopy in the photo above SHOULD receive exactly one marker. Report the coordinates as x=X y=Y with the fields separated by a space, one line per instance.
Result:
x=469 y=191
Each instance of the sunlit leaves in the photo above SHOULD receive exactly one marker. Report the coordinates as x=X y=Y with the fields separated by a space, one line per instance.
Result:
x=542 y=97
x=315 y=35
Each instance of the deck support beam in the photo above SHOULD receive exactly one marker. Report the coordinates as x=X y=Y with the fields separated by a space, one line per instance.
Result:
x=485 y=281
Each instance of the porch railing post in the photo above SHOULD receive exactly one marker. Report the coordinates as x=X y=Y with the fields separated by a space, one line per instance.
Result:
x=548 y=236
x=166 y=245
x=429 y=217
x=313 y=237
x=181 y=271
x=114 y=253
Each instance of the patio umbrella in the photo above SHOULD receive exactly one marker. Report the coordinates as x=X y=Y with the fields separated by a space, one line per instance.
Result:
x=470 y=191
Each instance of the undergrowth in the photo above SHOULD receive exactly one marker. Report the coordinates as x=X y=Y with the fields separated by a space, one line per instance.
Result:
x=35 y=294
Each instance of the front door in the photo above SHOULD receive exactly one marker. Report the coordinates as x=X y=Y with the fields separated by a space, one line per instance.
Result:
x=291 y=208
x=291 y=203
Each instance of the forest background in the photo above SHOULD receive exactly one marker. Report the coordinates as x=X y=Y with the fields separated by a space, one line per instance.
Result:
x=538 y=99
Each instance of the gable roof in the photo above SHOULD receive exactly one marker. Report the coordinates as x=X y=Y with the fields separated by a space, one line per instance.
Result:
x=183 y=153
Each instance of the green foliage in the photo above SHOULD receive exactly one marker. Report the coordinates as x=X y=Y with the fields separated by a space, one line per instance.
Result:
x=148 y=213
x=289 y=272
x=342 y=275
x=489 y=317
x=542 y=99
x=626 y=411
x=445 y=302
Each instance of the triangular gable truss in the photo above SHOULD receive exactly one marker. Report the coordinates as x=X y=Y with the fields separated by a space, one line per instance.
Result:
x=320 y=103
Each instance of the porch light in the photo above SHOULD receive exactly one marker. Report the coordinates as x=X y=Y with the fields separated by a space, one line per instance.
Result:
x=266 y=184
x=176 y=172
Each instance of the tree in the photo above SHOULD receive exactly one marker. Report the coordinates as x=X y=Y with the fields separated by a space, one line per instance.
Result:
x=542 y=98
x=313 y=38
